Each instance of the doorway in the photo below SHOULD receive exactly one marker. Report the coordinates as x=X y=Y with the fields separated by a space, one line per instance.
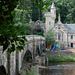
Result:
x=71 y=44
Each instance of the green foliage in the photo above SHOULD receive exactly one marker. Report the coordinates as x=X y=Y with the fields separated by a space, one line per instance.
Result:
x=50 y=37
x=22 y=19
x=38 y=31
x=65 y=7
x=8 y=32
x=61 y=58
x=32 y=72
x=36 y=7
x=25 y=7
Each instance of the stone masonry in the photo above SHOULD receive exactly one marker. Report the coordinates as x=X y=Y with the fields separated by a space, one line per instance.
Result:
x=16 y=57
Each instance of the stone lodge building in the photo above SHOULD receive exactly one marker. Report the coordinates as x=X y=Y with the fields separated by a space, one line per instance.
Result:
x=65 y=32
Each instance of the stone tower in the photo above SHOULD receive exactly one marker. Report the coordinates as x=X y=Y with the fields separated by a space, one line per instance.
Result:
x=50 y=17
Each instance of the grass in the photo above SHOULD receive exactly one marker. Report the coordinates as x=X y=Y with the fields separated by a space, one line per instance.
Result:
x=61 y=59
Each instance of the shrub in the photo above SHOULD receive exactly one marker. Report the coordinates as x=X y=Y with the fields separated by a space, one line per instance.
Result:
x=61 y=59
x=32 y=72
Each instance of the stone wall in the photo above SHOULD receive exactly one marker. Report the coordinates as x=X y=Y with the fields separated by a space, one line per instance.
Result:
x=4 y=59
x=16 y=57
x=60 y=53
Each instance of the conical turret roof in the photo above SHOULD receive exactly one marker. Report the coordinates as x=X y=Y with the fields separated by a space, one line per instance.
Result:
x=53 y=5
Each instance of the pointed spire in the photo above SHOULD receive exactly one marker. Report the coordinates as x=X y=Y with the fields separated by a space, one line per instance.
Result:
x=59 y=19
x=53 y=5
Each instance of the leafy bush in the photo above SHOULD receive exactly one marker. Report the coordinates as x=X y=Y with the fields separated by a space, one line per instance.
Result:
x=50 y=37
x=60 y=58
x=32 y=72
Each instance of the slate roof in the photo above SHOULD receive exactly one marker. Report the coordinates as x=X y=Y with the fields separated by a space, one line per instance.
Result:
x=53 y=5
x=70 y=28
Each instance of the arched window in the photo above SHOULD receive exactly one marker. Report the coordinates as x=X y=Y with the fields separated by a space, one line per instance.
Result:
x=58 y=26
x=62 y=37
x=59 y=36
x=49 y=24
x=71 y=36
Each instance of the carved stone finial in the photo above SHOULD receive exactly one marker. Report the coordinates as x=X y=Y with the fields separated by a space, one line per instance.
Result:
x=59 y=20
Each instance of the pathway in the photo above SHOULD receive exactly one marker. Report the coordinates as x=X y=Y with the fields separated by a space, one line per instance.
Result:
x=72 y=50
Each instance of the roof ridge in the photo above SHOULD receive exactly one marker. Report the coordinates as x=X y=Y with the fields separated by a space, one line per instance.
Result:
x=69 y=24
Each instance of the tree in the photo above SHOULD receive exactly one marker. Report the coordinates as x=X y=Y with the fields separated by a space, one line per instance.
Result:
x=37 y=10
x=50 y=37
x=26 y=11
x=8 y=33
x=21 y=21
x=65 y=7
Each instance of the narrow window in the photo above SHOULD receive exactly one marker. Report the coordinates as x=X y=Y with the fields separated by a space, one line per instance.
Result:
x=59 y=36
x=58 y=27
x=49 y=24
x=71 y=36
x=62 y=37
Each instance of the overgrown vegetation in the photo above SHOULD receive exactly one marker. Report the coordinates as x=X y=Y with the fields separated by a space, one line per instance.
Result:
x=66 y=8
x=22 y=17
x=61 y=58
x=50 y=37
x=32 y=72
x=11 y=26
x=26 y=10
x=38 y=31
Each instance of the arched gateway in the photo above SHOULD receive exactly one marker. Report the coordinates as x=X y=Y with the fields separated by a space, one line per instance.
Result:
x=28 y=56
x=38 y=28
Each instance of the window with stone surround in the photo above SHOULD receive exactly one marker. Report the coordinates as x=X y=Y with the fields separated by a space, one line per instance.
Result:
x=58 y=26
x=49 y=24
x=71 y=36
x=62 y=37
x=59 y=36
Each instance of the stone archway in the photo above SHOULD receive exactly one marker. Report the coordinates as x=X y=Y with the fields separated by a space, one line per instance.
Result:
x=38 y=31
x=39 y=27
x=2 y=70
x=28 y=56
x=26 y=64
